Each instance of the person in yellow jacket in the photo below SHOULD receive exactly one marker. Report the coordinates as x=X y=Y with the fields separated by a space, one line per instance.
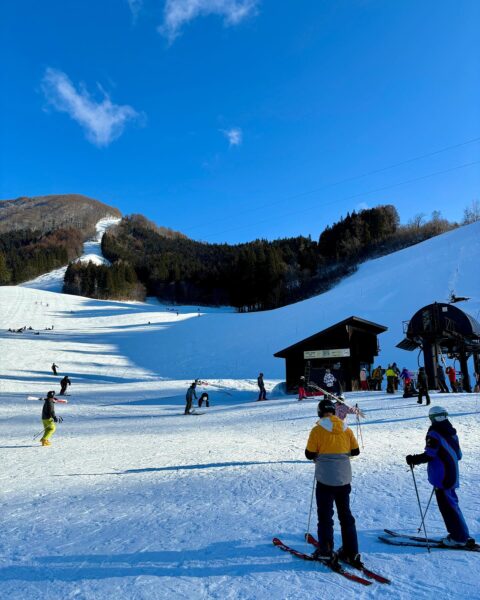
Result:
x=391 y=375
x=331 y=444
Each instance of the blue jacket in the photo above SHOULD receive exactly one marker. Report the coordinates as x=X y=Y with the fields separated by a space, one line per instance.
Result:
x=443 y=453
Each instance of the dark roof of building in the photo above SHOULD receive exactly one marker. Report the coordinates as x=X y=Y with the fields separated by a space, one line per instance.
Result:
x=356 y=322
x=443 y=323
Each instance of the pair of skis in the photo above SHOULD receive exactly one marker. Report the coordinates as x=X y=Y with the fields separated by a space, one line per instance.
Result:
x=393 y=538
x=334 y=565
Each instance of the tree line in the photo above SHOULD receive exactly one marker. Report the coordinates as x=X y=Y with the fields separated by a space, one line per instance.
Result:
x=27 y=253
x=261 y=274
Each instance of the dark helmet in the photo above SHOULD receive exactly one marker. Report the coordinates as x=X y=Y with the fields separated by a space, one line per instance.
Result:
x=325 y=406
x=51 y=394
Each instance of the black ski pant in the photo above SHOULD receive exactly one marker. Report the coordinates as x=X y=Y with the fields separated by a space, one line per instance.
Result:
x=443 y=386
x=390 y=384
x=263 y=393
x=326 y=496
x=421 y=393
x=188 y=407
x=202 y=400
x=63 y=390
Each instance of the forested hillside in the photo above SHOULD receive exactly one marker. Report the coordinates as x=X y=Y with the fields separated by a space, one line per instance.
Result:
x=257 y=275
x=26 y=253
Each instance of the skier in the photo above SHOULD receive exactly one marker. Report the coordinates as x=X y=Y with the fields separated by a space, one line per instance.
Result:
x=203 y=398
x=331 y=384
x=396 y=380
x=63 y=385
x=442 y=453
x=422 y=384
x=377 y=375
x=261 y=386
x=363 y=380
x=189 y=398
x=49 y=418
x=54 y=369
x=390 y=373
x=442 y=384
x=331 y=444
x=301 y=388
x=452 y=377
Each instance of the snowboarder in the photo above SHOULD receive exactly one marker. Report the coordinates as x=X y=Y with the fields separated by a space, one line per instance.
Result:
x=442 y=384
x=422 y=384
x=63 y=385
x=261 y=386
x=452 y=377
x=442 y=453
x=49 y=418
x=203 y=398
x=54 y=369
x=301 y=388
x=331 y=444
x=189 y=398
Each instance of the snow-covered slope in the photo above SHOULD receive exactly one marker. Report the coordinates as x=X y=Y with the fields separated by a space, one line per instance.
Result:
x=135 y=500
x=92 y=252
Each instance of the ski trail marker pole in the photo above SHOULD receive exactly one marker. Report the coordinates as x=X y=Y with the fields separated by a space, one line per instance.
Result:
x=426 y=510
x=311 y=504
x=420 y=507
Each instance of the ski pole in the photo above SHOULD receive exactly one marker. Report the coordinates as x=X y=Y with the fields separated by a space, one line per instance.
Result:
x=359 y=427
x=37 y=434
x=426 y=510
x=311 y=504
x=420 y=508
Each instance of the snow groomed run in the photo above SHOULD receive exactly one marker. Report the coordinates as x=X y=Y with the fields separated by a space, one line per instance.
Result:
x=133 y=499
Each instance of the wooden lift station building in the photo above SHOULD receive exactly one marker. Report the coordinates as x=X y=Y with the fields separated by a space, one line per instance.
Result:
x=344 y=348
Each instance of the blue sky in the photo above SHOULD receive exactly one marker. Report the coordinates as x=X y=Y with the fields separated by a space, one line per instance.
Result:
x=236 y=119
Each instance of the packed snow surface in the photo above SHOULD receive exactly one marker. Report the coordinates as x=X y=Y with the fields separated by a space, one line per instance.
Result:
x=135 y=500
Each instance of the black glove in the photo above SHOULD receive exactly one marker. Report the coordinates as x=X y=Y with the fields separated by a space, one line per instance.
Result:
x=58 y=419
x=416 y=459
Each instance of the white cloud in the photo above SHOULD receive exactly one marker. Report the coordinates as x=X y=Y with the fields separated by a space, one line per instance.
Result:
x=102 y=121
x=233 y=135
x=178 y=12
x=135 y=7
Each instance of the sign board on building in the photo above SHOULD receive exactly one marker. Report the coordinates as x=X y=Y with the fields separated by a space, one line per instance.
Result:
x=332 y=353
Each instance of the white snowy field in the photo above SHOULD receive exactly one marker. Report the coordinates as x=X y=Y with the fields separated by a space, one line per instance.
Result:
x=135 y=500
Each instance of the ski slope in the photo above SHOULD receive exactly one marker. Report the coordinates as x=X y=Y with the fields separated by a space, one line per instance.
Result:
x=135 y=500
x=92 y=252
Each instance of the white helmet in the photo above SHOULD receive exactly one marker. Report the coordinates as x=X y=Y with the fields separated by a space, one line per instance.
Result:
x=438 y=413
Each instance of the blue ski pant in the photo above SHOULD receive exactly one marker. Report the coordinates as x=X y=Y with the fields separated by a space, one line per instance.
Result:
x=447 y=501
x=326 y=496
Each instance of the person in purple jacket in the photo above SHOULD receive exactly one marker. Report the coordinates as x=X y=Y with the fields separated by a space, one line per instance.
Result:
x=442 y=453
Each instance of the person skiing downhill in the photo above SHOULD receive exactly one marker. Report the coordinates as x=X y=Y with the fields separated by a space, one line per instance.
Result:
x=63 y=385
x=189 y=398
x=49 y=418
x=331 y=444
x=54 y=368
x=442 y=453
